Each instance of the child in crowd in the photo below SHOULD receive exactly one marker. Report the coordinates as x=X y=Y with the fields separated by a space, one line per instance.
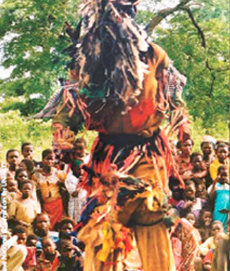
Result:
x=201 y=191
x=192 y=220
x=27 y=165
x=48 y=180
x=177 y=193
x=198 y=174
x=219 y=193
x=190 y=203
x=41 y=227
x=12 y=186
x=209 y=244
x=77 y=195
x=187 y=249
x=13 y=192
x=17 y=252
x=24 y=209
x=12 y=158
x=67 y=225
x=222 y=160
x=207 y=148
x=21 y=233
x=27 y=153
x=183 y=158
x=198 y=168
x=48 y=260
x=208 y=259
x=31 y=240
x=27 y=150
x=21 y=176
x=221 y=255
x=205 y=224
x=30 y=261
x=71 y=258
x=217 y=227
x=80 y=150
x=66 y=230
x=176 y=249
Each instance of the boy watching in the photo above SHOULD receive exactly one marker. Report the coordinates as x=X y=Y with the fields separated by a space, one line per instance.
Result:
x=27 y=150
x=12 y=158
x=27 y=153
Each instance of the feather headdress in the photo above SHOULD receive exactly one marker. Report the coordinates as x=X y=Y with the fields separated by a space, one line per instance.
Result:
x=109 y=59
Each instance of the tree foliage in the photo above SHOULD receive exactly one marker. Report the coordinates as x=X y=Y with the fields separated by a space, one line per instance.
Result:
x=33 y=40
x=196 y=39
x=15 y=130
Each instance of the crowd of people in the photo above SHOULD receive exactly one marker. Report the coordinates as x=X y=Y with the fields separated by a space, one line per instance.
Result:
x=47 y=203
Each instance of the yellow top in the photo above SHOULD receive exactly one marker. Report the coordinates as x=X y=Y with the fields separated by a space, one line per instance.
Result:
x=49 y=184
x=214 y=168
x=24 y=210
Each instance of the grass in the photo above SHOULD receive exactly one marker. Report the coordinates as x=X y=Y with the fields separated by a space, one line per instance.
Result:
x=16 y=130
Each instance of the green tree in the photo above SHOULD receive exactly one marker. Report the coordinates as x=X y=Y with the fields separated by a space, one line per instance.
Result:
x=196 y=37
x=33 y=39
x=201 y=52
